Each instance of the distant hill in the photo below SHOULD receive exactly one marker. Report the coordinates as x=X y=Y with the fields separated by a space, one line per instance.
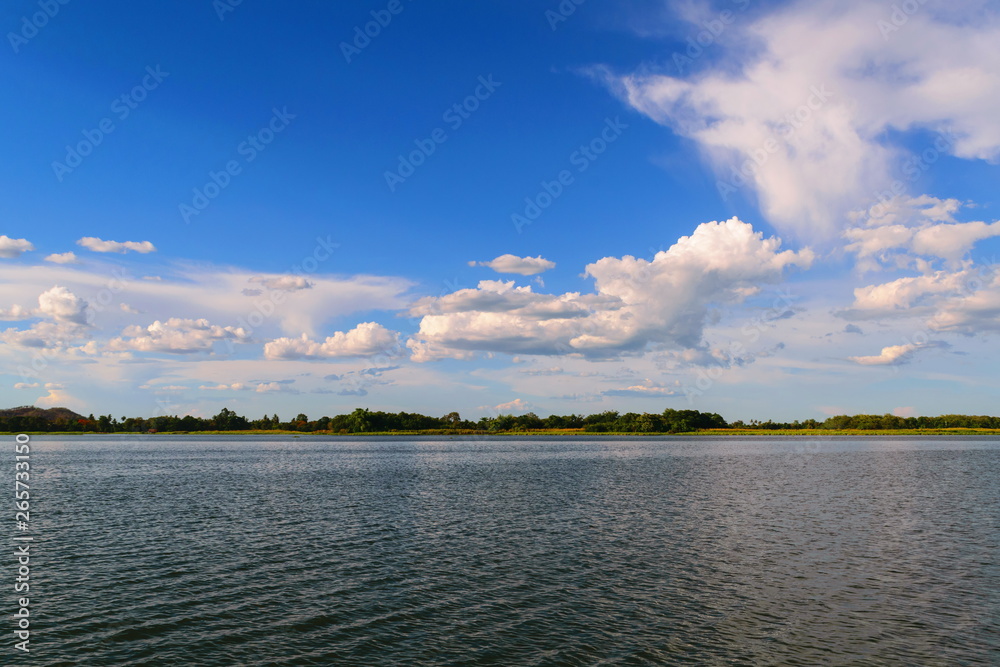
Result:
x=51 y=415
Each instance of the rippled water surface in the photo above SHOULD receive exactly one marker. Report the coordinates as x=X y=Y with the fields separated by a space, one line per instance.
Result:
x=306 y=551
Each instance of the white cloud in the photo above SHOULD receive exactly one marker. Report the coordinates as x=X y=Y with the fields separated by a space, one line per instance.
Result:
x=976 y=307
x=176 y=336
x=13 y=248
x=525 y=266
x=964 y=302
x=15 y=313
x=637 y=302
x=46 y=336
x=282 y=283
x=275 y=387
x=517 y=405
x=893 y=354
x=27 y=385
x=952 y=242
x=235 y=386
x=807 y=97
x=208 y=293
x=901 y=231
x=62 y=305
x=647 y=389
x=903 y=294
x=98 y=245
x=364 y=340
x=66 y=316
x=889 y=355
x=62 y=258
x=57 y=397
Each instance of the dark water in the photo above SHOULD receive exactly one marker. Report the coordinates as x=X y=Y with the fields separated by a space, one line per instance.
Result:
x=187 y=551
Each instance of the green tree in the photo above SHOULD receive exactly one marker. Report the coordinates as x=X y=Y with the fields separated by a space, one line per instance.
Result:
x=359 y=421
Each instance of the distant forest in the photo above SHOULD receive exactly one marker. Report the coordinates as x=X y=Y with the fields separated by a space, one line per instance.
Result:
x=366 y=421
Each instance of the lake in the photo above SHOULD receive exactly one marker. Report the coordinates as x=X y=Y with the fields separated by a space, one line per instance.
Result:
x=175 y=550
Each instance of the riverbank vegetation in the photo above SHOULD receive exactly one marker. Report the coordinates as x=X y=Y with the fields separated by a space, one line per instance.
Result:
x=362 y=421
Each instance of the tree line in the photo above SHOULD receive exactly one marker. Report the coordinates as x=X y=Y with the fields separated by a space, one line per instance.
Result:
x=367 y=421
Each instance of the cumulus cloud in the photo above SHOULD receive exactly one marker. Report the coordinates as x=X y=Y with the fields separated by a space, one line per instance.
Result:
x=525 y=266
x=281 y=283
x=893 y=354
x=971 y=311
x=966 y=301
x=62 y=258
x=365 y=340
x=98 y=245
x=13 y=248
x=905 y=293
x=62 y=305
x=806 y=100
x=912 y=231
x=637 y=302
x=64 y=318
x=176 y=336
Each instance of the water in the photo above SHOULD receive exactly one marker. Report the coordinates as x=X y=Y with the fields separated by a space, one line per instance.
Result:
x=306 y=551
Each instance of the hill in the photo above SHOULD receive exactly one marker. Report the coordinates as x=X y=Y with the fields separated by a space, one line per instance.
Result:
x=51 y=415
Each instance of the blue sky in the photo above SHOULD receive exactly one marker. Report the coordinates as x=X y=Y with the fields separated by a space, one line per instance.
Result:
x=850 y=266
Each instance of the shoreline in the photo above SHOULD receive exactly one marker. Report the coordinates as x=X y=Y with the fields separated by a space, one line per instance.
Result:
x=552 y=432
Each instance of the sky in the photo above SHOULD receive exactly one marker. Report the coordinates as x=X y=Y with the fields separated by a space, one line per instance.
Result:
x=769 y=210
